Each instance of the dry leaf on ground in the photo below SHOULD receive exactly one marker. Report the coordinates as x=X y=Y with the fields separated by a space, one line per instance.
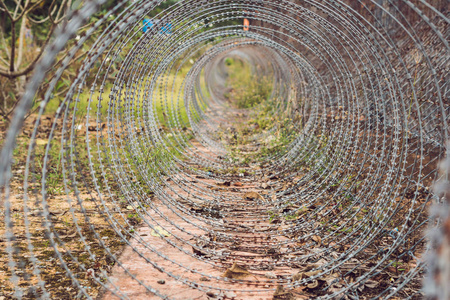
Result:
x=282 y=294
x=253 y=196
x=159 y=232
x=236 y=272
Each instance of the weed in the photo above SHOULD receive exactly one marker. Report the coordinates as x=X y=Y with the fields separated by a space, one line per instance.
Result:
x=247 y=88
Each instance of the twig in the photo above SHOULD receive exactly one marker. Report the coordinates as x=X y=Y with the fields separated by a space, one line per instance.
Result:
x=14 y=74
x=38 y=21
x=6 y=10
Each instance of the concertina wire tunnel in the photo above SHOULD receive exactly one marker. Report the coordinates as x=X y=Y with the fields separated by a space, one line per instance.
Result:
x=349 y=208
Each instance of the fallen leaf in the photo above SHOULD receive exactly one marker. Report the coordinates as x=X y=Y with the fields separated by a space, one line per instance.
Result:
x=41 y=142
x=159 y=232
x=199 y=251
x=238 y=183
x=313 y=284
x=270 y=275
x=281 y=293
x=236 y=272
x=58 y=213
x=329 y=278
x=69 y=235
x=317 y=239
x=302 y=274
x=371 y=284
x=298 y=276
x=253 y=196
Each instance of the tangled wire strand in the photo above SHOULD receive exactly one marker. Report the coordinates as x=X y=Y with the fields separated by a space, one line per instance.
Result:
x=326 y=195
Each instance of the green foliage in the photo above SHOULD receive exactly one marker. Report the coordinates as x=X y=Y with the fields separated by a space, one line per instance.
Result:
x=247 y=88
x=229 y=61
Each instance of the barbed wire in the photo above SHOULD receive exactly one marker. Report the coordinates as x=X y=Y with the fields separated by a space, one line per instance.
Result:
x=140 y=154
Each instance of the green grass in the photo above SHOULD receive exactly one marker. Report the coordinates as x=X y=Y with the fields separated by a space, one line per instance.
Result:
x=247 y=89
x=165 y=104
x=166 y=108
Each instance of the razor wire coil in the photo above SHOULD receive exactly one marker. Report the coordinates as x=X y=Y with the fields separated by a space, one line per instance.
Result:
x=143 y=138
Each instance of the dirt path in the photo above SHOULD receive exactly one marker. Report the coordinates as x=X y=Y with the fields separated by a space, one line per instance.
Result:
x=224 y=245
x=235 y=226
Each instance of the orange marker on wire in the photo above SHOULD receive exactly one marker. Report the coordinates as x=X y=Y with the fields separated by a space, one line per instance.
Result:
x=246 y=24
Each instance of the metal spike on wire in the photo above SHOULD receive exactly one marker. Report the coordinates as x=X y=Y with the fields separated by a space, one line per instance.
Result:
x=138 y=145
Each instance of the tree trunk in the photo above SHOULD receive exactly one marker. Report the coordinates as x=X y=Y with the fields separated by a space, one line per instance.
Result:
x=21 y=43
x=20 y=83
